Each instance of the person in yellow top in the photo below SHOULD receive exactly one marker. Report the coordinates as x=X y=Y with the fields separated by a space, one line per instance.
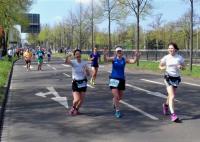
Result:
x=27 y=57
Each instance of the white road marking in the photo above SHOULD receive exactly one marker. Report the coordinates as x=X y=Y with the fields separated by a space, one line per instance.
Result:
x=90 y=86
x=188 y=83
x=152 y=81
x=31 y=67
x=66 y=65
x=109 y=71
x=52 y=67
x=192 y=84
x=52 y=91
x=101 y=66
x=66 y=75
x=139 y=110
x=61 y=100
x=157 y=94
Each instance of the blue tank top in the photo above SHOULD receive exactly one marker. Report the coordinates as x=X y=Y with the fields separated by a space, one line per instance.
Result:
x=118 y=67
x=96 y=58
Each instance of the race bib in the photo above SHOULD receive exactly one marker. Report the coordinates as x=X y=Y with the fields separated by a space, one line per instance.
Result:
x=174 y=83
x=81 y=84
x=114 y=82
x=40 y=54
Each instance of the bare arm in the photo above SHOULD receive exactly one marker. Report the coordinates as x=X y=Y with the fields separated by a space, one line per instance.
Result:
x=181 y=66
x=162 y=66
x=135 y=59
x=107 y=58
x=91 y=58
x=68 y=58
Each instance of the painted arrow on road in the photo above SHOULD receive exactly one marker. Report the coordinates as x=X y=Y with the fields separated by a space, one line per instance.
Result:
x=61 y=100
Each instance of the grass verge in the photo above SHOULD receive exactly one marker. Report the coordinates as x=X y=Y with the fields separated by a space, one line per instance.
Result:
x=5 y=67
x=153 y=66
x=146 y=65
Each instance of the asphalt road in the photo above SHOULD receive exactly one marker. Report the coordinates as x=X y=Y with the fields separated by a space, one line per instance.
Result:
x=39 y=101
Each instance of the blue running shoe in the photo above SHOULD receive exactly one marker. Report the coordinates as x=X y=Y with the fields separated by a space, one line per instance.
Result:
x=118 y=114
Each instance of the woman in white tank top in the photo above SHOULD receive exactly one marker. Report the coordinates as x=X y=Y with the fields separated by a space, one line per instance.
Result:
x=80 y=71
x=172 y=64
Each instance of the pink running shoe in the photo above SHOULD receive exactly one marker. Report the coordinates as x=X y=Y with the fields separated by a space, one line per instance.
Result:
x=174 y=117
x=165 y=109
x=76 y=112
x=71 y=112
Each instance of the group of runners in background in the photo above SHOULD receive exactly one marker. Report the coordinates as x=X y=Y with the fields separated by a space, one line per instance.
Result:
x=172 y=63
x=39 y=54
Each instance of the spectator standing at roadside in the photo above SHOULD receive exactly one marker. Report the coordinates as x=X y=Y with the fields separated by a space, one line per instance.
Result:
x=10 y=54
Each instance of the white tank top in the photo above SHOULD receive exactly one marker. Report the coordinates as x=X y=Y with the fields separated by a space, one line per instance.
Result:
x=78 y=69
x=171 y=63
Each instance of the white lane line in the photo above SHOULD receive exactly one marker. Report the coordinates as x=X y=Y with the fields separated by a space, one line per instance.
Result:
x=139 y=110
x=52 y=67
x=152 y=81
x=109 y=71
x=188 y=83
x=31 y=67
x=66 y=65
x=90 y=86
x=192 y=84
x=66 y=75
x=157 y=94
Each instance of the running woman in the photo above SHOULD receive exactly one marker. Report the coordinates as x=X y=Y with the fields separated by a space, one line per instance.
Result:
x=172 y=64
x=95 y=58
x=27 y=57
x=80 y=71
x=117 y=76
x=49 y=54
x=40 y=57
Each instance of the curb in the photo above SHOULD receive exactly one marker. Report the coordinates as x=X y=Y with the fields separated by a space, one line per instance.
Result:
x=3 y=106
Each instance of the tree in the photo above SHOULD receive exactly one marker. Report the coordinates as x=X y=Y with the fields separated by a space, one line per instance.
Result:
x=113 y=11
x=191 y=30
x=139 y=8
x=11 y=13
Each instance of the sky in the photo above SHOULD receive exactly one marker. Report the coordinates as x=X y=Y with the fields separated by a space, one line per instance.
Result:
x=53 y=11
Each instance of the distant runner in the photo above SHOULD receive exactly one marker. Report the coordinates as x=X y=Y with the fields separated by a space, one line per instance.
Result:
x=94 y=57
x=49 y=54
x=40 y=57
x=27 y=58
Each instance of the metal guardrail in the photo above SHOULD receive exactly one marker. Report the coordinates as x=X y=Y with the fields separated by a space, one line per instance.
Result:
x=155 y=55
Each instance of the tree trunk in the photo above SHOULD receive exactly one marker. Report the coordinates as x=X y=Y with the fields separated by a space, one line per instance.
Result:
x=191 y=35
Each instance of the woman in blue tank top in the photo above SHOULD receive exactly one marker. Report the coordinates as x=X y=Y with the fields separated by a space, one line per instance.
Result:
x=94 y=58
x=117 y=77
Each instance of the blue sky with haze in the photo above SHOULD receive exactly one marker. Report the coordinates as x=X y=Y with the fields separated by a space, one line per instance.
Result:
x=53 y=11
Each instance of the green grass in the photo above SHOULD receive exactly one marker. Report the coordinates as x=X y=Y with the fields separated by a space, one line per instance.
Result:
x=153 y=66
x=5 y=67
x=83 y=56
x=146 y=65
